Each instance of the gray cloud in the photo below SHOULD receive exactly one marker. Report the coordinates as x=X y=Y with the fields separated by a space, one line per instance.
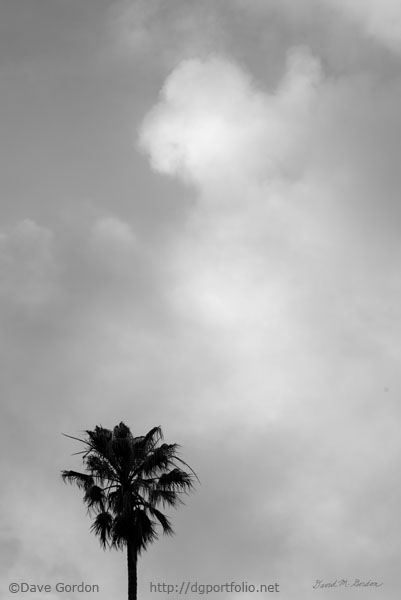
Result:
x=27 y=264
x=242 y=290
x=379 y=20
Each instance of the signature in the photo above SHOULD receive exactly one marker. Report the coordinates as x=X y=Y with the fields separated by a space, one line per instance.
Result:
x=320 y=583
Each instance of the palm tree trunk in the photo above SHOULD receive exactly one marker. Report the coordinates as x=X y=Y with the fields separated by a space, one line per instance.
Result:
x=132 y=557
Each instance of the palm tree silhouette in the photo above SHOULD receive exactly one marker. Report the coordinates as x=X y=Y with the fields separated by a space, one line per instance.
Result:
x=126 y=479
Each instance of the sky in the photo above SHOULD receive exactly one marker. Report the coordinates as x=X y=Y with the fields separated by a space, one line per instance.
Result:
x=200 y=229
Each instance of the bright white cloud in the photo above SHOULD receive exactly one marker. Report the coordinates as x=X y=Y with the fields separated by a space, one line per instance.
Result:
x=277 y=294
x=213 y=124
x=259 y=265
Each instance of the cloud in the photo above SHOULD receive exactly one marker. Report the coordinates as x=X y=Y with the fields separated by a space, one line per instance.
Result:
x=141 y=28
x=27 y=264
x=114 y=231
x=253 y=311
x=214 y=124
x=282 y=295
x=132 y=22
x=112 y=244
x=261 y=258
x=381 y=19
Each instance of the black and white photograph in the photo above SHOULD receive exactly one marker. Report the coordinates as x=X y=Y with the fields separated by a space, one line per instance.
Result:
x=200 y=299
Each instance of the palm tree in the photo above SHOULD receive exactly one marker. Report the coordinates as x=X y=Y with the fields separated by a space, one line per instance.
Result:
x=126 y=479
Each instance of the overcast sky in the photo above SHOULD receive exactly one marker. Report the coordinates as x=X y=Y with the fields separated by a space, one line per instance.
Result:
x=200 y=229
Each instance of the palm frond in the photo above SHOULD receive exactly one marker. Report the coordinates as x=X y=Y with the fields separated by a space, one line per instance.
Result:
x=94 y=498
x=162 y=518
x=153 y=436
x=102 y=527
x=164 y=497
x=100 y=468
x=176 y=479
x=75 y=438
x=81 y=480
x=123 y=501
x=123 y=530
x=122 y=450
x=158 y=459
x=142 y=445
x=100 y=444
x=145 y=531
x=99 y=439
x=122 y=431
x=188 y=467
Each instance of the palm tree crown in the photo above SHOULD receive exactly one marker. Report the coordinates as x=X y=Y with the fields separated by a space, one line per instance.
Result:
x=127 y=479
